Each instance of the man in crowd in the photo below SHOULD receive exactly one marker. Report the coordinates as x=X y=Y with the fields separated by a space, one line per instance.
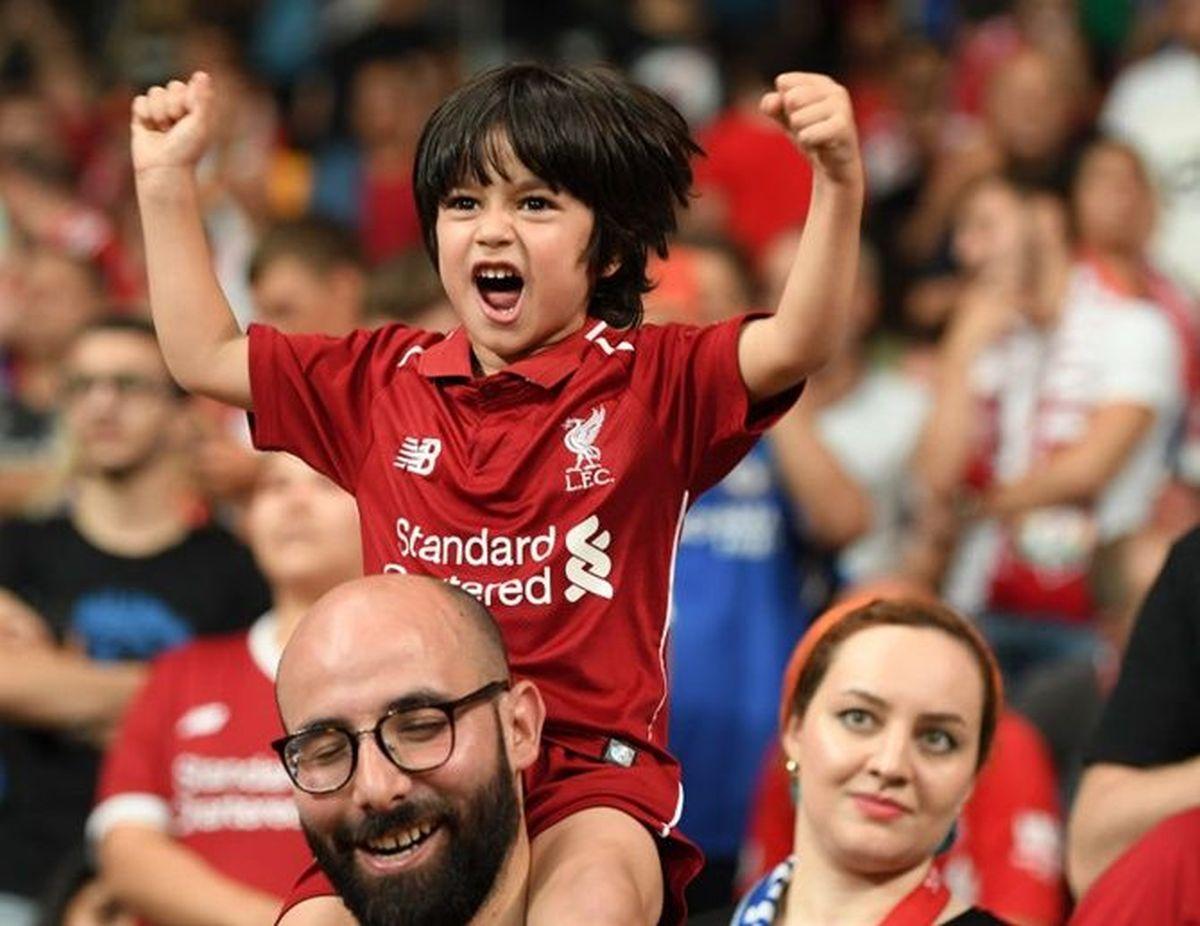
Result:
x=1054 y=407
x=406 y=742
x=195 y=820
x=46 y=297
x=88 y=595
x=308 y=275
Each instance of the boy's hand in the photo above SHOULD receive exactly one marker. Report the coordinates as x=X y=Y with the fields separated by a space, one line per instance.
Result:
x=817 y=112
x=171 y=126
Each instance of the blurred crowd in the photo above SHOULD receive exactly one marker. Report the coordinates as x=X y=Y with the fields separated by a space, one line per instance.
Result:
x=1012 y=423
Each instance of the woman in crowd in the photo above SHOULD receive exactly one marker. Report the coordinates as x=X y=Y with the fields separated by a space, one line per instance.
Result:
x=888 y=712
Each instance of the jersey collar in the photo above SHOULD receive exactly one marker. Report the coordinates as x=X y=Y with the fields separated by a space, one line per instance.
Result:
x=450 y=358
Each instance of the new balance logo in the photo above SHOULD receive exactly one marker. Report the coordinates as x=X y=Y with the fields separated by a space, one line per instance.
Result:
x=589 y=566
x=418 y=455
x=202 y=720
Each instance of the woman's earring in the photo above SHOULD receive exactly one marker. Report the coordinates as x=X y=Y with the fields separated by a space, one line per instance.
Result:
x=793 y=770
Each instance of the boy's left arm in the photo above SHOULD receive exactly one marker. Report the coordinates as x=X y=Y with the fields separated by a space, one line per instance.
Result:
x=778 y=352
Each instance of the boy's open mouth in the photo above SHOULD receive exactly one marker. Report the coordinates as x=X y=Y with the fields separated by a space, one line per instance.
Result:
x=499 y=286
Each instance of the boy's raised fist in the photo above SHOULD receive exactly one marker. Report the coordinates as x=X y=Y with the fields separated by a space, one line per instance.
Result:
x=171 y=125
x=817 y=112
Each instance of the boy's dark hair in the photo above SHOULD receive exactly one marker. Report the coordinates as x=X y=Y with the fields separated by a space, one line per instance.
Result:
x=619 y=148
x=319 y=243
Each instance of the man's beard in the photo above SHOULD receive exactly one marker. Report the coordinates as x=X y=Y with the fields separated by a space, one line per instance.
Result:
x=440 y=892
x=121 y=473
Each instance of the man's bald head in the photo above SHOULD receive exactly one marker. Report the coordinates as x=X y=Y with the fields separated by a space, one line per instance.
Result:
x=366 y=615
x=492 y=653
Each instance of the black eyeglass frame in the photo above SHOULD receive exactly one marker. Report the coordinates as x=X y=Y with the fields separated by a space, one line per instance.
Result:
x=449 y=708
x=126 y=385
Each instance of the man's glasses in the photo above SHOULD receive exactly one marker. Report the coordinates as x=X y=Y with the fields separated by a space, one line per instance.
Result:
x=321 y=760
x=125 y=385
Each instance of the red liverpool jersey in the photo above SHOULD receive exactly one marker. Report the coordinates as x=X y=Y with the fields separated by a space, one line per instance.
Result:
x=552 y=490
x=193 y=758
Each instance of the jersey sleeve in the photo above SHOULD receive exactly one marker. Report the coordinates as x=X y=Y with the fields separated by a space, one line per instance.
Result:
x=1015 y=829
x=690 y=381
x=313 y=394
x=1153 y=716
x=135 y=776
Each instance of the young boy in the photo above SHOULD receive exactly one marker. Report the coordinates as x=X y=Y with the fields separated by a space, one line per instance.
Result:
x=542 y=455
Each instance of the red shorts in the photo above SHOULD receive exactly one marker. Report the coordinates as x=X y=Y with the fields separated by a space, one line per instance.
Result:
x=572 y=774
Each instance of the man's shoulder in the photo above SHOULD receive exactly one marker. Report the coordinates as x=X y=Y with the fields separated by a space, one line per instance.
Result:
x=1096 y=314
x=1108 y=313
x=47 y=530
x=211 y=536
x=1173 y=63
x=1160 y=78
x=390 y=345
x=1185 y=553
x=668 y=340
x=215 y=549
x=227 y=649
x=218 y=667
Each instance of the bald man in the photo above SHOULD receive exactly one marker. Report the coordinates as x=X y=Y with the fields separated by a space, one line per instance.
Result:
x=406 y=742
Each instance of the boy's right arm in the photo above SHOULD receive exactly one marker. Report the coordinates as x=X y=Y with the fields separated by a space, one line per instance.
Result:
x=204 y=348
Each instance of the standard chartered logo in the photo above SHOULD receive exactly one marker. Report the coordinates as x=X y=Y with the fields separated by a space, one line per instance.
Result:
x=510 y=570
x=589 y=566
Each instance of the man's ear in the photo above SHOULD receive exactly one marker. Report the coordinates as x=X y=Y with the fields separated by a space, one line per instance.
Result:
x=525 y=715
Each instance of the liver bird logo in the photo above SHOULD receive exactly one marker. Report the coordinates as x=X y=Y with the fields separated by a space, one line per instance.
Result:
x=581 y=439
